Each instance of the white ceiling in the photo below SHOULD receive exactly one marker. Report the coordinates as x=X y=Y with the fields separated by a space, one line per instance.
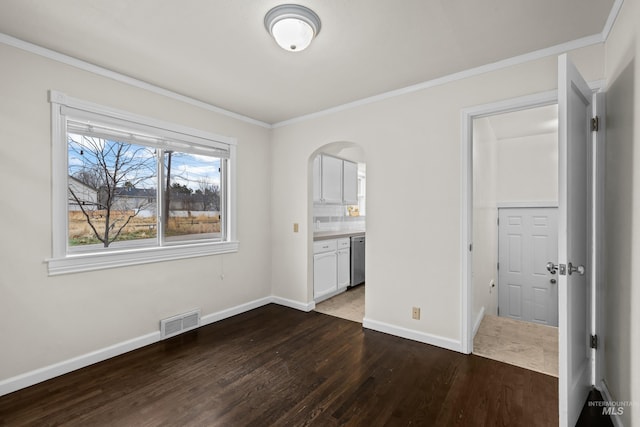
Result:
x=219 y=52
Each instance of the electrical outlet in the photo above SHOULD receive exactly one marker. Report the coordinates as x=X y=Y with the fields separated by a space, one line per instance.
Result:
x=295 y=227
x=415 y=314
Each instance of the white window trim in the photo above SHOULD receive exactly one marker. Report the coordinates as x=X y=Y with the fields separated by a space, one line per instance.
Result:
x=61 y=262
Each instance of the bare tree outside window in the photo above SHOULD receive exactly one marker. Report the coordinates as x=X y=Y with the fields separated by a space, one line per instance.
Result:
x=192 y=196
x=111 y=183
x=209 y=195
x=129 y=189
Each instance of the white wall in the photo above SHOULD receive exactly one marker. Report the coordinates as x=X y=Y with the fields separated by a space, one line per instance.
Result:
x=46 y=320
x=528 y=169
x=485 y=212
x=412 y=146
x=622 y=213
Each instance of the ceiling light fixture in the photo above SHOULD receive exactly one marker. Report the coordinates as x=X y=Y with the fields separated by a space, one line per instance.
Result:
x=292 y=26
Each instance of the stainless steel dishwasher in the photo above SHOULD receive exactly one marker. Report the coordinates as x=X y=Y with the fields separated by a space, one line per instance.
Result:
x=357 y=260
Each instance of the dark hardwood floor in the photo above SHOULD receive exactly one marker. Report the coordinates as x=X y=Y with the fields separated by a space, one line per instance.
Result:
x=278 y=366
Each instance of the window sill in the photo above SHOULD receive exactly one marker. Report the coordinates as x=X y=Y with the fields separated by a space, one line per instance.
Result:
x=99 y=261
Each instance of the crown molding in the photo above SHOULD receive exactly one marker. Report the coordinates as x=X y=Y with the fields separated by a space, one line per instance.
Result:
x=472 y=72
x=122 y=78
x=516 y=60
x=613 y=15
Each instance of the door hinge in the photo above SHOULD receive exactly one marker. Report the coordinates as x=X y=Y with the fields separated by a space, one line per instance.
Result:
x=498 y=221
x=595 y=124
x=498 y=266
x=594 y=342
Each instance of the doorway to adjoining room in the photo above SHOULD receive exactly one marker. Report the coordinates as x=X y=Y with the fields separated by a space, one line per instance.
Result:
x=338 y=188
x=515 y=199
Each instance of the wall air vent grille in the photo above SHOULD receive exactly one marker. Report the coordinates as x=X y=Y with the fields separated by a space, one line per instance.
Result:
x=191 y=321
x=178 y=324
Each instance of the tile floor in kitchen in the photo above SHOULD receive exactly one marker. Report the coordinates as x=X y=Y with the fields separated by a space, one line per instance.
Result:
x=348 y=305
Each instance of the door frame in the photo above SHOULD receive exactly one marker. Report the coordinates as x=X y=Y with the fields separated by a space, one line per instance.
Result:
x=467 y=116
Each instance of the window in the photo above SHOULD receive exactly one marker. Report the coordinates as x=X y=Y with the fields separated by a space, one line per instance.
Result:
x=130 y=189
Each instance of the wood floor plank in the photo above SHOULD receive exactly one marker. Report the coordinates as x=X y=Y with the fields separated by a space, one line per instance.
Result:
x=278 y=366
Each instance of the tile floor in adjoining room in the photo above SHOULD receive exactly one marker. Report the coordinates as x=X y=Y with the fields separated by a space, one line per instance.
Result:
x=348 y=305
x=528 y=345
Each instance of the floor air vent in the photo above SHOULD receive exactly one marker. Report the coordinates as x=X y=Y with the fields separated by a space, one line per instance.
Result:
x=178 y=324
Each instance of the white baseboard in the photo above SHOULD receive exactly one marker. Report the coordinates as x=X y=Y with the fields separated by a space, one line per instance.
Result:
x=606 y=394
x=36 y=376
x=412 y=334
x=42 y=374
x=238 y=309
x=294 y=304
x=27 y=379
x=476 y=325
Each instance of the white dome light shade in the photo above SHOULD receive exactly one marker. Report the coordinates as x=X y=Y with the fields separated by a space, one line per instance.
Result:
x=292 y=34
x=292 y=26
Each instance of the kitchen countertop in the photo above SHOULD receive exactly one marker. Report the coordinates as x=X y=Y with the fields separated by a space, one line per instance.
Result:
x=336 y=234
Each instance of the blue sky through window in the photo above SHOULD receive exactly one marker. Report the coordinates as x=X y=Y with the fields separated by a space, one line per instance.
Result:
x=89 y=156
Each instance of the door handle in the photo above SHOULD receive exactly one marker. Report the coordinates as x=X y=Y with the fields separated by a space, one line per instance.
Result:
x=554 y=268
x=553 y=281
x=576 y=269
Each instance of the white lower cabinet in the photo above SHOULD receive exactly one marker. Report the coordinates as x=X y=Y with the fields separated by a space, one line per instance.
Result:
x=343 y=268
x=331 y=266
x=325 y=267
x=344 y=262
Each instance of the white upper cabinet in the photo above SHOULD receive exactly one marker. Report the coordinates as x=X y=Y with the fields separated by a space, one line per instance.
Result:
x=349 y=183
x=331 y=179
x=335 y=181
x=317 y=179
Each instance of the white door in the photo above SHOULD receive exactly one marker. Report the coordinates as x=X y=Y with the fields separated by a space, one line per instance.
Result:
x=574 y=140
x=527 y=239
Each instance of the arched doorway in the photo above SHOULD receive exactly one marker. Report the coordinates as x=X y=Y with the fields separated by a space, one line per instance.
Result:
x=337 y=218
